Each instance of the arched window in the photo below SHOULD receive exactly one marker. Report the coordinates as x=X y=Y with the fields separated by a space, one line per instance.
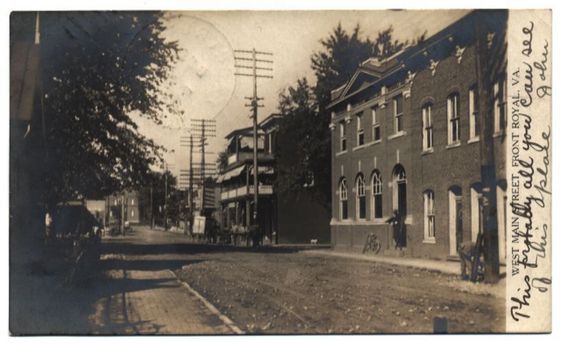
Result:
x=360 y=197
x=343 y=199
x=429 y=215
x=427 y=132
x=453 y=116
x=376 y=194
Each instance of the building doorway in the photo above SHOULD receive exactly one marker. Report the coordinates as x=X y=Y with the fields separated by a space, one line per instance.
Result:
x=400 y=200
x=455 y=214
x=501 y=198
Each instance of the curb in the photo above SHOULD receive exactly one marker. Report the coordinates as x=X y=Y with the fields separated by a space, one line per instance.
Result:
x=226 y=320
x=382 y=260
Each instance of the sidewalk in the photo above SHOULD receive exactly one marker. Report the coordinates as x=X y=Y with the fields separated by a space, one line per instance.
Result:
x=134 y=293
x=447 y=267
x=153 y=302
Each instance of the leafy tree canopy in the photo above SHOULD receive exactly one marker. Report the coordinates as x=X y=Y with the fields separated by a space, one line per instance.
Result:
x=98 y=68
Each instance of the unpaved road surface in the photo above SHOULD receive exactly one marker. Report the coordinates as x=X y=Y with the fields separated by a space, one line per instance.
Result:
x=284 y=291
x=268 y=291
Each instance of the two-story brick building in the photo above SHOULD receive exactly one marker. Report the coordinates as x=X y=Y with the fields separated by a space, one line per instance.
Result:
x=130 y=208
x=406 y=137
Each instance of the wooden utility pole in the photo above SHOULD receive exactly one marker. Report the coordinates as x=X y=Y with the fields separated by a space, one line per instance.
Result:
x=166 y=197
x=188 y=141
x=486 y=72
x=191 y=178
x=122 y=215
x=151 y=199
x=247 y=59
x=206 y=129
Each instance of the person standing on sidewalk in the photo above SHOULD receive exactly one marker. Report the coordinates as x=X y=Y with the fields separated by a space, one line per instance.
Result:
x=396 y=223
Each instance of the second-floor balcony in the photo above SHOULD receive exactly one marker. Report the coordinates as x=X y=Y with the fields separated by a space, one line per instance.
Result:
x=246 y=191
x=246 y=156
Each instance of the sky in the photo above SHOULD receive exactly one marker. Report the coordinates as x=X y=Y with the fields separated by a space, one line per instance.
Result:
x=203 y=78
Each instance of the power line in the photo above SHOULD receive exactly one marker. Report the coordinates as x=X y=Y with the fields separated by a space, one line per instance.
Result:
x=265 y=65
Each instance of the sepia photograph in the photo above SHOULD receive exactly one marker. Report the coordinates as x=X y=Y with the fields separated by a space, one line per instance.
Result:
x=280 y=172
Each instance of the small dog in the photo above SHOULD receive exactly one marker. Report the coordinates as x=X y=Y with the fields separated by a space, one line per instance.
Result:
x=313 y=241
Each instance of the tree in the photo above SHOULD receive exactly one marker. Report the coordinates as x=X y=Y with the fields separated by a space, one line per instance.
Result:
x=303 y=146
x=221 y=161
x=98 y=68
x=385 y=46
x=340 y=58
x=156 y=184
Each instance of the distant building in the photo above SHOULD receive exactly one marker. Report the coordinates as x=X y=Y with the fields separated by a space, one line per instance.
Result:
x=405 y=137
x=130 y=201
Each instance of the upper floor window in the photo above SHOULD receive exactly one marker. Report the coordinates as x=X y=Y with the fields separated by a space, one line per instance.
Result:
x=360 y=197
x=500 y=104
x=132 y=201
x=376 y=133
x=359 y=130
x=267 y=143
x=473 y=118
x=398 y=113
x=343 y=135
x=426 y=115
x=343 y=199
x=453 y=115
x=377 y=194
x=429 y=215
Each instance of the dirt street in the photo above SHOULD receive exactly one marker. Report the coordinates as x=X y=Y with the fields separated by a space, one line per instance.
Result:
x=273 y=290
x=291 y=292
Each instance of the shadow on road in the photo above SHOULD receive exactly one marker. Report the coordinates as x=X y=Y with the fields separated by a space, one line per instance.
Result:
x=190 y=248
x=145 y=264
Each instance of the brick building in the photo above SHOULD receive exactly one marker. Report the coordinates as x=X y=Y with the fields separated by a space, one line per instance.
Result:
x=406 y=137
x=130 y=200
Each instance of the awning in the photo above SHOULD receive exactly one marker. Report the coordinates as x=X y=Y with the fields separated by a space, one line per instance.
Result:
x=231 y=174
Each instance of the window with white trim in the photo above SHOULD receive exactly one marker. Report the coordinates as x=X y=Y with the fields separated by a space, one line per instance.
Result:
x=429 y=215
x=426 y=116
x=343 y=135
x=376 y=134
x=377 y=194
x=500 y=104
x=453 y=115
x=398 y=113
x=359 y=130
x=343 y=199
x=360 y=197
x=473 y=118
